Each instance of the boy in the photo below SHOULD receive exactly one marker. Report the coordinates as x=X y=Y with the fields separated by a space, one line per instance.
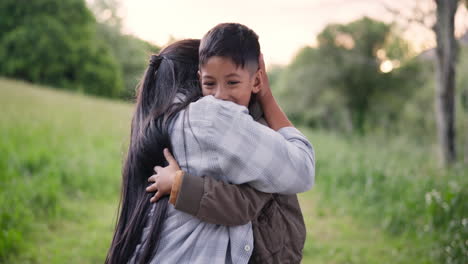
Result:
x=232 y=69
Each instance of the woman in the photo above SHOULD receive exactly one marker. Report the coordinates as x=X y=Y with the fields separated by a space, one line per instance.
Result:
x=201 y=137
x=156 y=107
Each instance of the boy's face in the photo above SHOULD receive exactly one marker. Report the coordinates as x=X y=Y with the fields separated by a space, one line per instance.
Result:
x=220 y=77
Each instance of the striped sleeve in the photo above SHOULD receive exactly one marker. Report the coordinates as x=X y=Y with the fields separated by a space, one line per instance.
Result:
x=247 y=152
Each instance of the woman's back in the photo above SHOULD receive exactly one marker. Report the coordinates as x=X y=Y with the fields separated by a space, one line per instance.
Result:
x=184 y=238
x=172 y=72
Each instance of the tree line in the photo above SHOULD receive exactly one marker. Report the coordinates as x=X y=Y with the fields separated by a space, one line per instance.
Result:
x=363 y=77
x=61 y=43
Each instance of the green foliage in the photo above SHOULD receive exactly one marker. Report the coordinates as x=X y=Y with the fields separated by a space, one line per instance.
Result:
x=62 y=151
x=417 y=119
x=274 y=72
x=131 y=53
x=350 y=51
x=306 y=94
x=45 y=42
x=397 y=185
x=340 y=84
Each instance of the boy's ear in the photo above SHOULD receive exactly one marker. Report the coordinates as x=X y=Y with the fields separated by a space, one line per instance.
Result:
x=257 y=81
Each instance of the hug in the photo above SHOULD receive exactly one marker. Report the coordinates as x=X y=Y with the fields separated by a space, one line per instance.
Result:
x=214 y=164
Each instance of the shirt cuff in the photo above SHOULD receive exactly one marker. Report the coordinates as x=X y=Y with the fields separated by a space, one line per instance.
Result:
x=190 y=193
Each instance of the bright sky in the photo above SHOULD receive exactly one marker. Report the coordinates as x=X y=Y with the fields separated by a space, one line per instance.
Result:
x=283 y=26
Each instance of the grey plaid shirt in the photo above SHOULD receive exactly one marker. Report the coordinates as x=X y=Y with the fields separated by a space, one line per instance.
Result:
x=220 y=139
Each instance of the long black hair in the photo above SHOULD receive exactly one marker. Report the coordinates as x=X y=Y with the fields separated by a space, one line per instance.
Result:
x=169 y=84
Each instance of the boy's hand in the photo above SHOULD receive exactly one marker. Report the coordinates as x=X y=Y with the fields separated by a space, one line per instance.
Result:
x=265 y=90
x=164 y=178
x=274 y=116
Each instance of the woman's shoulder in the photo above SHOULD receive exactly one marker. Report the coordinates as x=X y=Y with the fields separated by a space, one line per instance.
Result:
x=209 y=108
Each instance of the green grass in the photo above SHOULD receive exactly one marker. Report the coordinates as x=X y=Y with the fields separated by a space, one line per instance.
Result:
x=335 y=237
x=397 y=187
x=56 y=147
x=82 y=236
x=375 y=200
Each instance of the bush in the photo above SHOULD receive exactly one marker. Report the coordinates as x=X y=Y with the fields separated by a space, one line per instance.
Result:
x=131 y=54
x=400 y=188
x=43 y=42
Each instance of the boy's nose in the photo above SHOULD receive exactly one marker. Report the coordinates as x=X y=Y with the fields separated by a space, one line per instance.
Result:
x=221 y=95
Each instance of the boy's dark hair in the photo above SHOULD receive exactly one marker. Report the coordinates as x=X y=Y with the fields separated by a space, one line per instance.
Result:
x=231 y=40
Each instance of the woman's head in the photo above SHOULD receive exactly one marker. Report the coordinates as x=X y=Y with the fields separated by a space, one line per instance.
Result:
x=171 y=73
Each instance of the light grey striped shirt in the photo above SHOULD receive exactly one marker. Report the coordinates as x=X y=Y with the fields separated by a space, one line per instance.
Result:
x=220 y=139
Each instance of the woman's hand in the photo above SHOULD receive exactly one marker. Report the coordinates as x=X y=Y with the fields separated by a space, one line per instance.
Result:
x=163 y=178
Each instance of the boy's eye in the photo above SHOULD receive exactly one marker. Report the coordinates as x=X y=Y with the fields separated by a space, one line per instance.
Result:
x=233 y=82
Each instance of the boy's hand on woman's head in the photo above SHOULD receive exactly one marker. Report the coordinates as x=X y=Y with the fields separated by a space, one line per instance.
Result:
x=163 y=178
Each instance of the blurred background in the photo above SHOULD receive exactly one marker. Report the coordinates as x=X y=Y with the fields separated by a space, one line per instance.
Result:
x=379 y=87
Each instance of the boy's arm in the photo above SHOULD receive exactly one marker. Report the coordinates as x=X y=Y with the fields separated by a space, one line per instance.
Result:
x=273 y=113
x=209 y=200
x=217 y=202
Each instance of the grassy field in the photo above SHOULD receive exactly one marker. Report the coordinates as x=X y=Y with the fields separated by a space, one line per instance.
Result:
x=375 y=201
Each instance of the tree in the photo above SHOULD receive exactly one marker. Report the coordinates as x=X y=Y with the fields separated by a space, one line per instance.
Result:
x=442 y=21
x=462 y=86
x=446 y=51
x=131 y=53
x=367 y=57
x=359 y=75
x=465 y=108
x=43 y=41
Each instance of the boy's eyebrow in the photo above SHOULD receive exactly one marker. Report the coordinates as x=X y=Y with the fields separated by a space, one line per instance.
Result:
x=227 y=76
x=232 y=75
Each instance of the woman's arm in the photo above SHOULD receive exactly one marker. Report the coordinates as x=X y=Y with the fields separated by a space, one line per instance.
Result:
x=209 y=200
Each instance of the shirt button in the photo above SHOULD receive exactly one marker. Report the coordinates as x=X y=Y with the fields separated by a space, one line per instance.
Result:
x=247 y=248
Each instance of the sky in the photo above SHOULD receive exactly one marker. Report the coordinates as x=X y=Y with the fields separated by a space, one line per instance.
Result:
x=283 y=26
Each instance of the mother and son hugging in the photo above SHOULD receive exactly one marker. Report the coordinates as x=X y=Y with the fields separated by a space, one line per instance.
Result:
x=228 y=195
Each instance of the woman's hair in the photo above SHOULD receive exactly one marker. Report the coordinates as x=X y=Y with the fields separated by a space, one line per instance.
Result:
x=169 y=84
